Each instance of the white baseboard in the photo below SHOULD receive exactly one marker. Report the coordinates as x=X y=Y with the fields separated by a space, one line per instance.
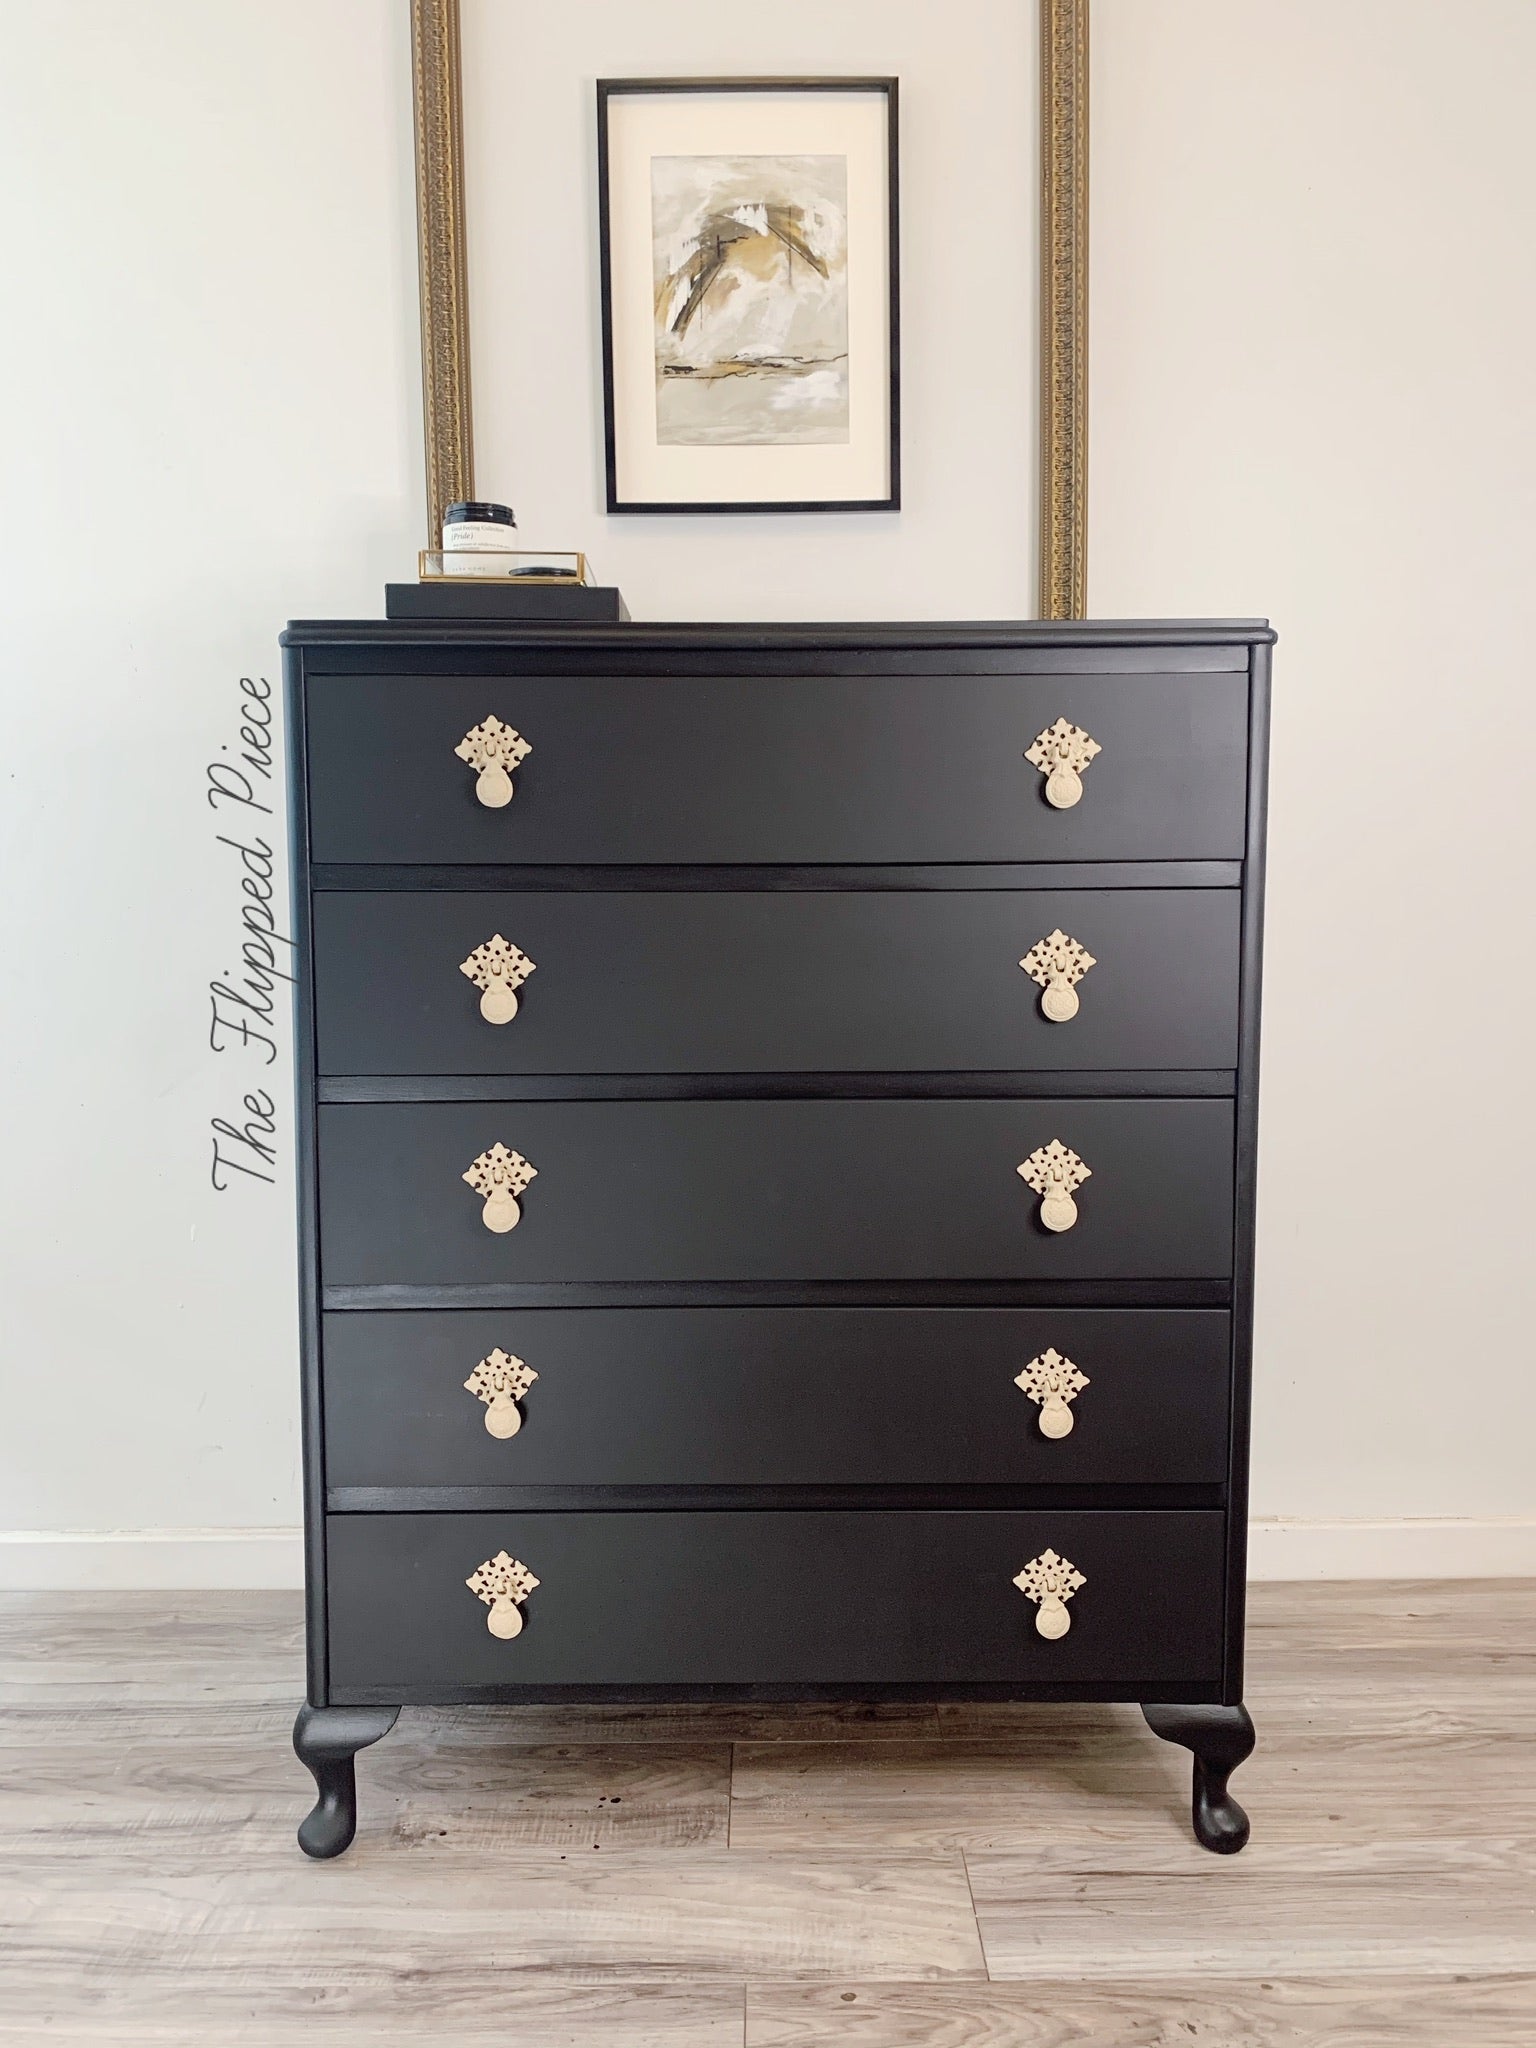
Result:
x=116 y=1560
x=1431 y=1547
x=172 y=1560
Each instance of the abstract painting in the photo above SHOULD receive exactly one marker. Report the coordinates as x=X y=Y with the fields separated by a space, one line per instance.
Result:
x=750 y=262
x=748 y=239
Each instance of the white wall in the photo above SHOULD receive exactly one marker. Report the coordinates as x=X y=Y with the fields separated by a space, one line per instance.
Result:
x=969 y=242
x=1312 y=287
x=211 y=423
x=1314 y=290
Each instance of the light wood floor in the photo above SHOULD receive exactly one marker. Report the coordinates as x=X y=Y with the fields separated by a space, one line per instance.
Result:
x=771 y=1878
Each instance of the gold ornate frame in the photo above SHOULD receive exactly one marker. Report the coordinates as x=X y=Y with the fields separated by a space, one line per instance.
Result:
x=1063 y=479
x=1063 y=308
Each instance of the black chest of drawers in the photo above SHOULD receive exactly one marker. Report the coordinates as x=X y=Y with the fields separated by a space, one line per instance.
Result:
x=777 y=1114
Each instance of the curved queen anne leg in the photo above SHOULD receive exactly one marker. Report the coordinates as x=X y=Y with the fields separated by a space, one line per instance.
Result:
x=1220 y=1737
x=325 y=1740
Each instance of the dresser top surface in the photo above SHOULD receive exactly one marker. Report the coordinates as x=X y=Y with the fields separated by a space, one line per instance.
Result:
x=825 y=636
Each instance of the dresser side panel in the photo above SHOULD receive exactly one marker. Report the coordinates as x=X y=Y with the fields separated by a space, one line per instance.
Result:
x=1245 y=1182
x=307 y=1200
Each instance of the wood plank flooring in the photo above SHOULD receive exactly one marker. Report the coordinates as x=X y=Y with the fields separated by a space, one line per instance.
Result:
x=765 y=1877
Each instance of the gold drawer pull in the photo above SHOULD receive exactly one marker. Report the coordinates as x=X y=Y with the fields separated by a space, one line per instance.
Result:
x=493 y=750
x=1058 y=963
x=500 y=1381
x=500 y=1177
x=1050 y=1581
x=1061 y=753
x=498 y=969
x=1055 y=1173
x=1054 y=1383
x=502 y=1582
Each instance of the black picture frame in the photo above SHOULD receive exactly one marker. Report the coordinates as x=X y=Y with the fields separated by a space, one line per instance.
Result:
x=609 y=89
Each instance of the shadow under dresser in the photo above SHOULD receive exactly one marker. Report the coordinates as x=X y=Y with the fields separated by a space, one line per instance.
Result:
x=777 y=1122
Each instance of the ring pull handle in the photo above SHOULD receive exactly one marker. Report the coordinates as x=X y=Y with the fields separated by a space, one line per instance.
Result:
x=1055 y=1173
x=493 y=750
x=503 y=1583
x=1053 y=1383
x=499 y=1177
x=1058 y=963
x=1061 y=752
x=1050 y=1581
x=500 y=1381
x=498 y=969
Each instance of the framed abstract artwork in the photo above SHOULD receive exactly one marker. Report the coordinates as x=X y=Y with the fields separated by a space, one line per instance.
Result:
x=748 y=241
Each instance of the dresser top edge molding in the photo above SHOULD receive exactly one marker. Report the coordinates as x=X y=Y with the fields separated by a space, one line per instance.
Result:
x=825 y=637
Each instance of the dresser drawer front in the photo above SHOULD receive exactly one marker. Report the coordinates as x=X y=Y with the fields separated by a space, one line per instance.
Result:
x=780 y=1599
x=766 y=1397
x=816 y=769
x=784 y=1191
x=805 y=982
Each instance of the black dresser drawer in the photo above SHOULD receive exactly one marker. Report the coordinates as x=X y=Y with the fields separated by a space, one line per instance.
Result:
x=773 y=1191
x=771 y=1600
x=800 y=981
x=765 y=1397
x=779 y=768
